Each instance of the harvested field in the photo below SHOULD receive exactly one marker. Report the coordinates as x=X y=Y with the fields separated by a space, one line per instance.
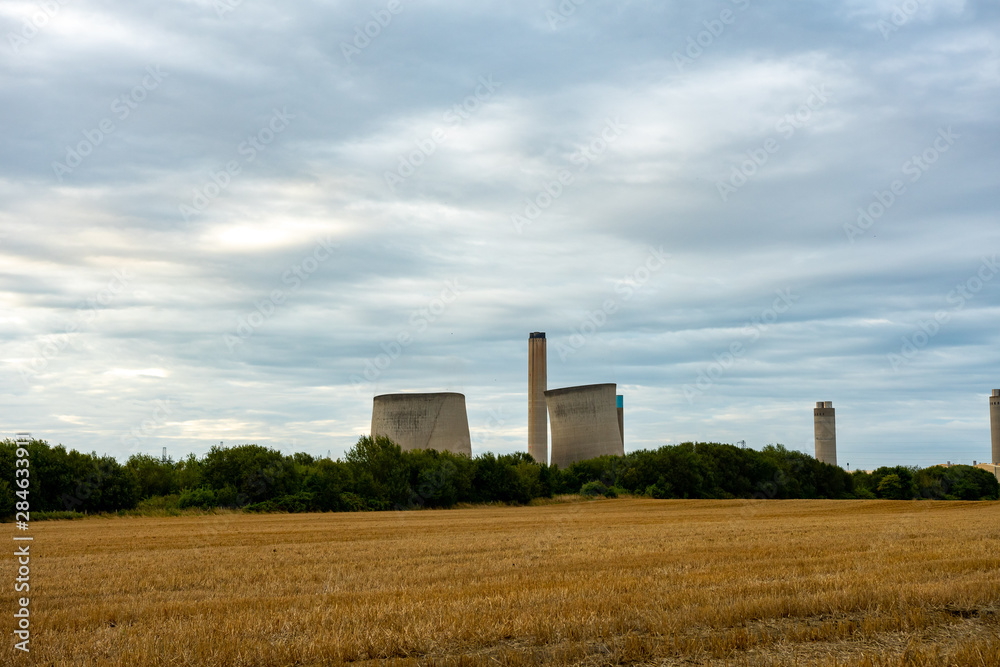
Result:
x=644 y=582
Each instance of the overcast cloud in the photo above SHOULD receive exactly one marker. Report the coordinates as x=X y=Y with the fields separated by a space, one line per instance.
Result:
x=215 y=216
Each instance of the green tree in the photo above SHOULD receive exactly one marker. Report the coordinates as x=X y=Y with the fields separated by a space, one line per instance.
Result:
x=328 y=481
x=890 y=487
x=256 y=472
x=188 y=473
x=903 y=473
x=155 y=476
x=379 y=471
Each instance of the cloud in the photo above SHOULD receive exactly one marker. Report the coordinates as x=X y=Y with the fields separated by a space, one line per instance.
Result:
x=129 y=323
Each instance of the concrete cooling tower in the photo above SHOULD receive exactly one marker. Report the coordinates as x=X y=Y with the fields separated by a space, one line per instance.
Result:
x=584 y=423
x=621 y=417
x=423 y=421
x=825 y=429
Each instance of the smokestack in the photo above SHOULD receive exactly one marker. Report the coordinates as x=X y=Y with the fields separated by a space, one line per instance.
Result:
x=621 y=417
x=825 y=429
x=538 y=424
x=995 y=425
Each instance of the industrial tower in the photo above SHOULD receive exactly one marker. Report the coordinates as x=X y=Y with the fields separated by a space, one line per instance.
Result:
x=538 y=425
x=825 y=429
x=995 y=425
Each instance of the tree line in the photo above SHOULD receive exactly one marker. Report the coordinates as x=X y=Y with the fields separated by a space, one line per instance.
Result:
x=376 y=474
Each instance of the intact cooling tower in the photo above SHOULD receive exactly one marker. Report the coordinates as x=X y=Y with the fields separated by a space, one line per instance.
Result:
x=584 y=423
x=538 y=435
x=825 y=425
x=423 y=421
x=995 y=425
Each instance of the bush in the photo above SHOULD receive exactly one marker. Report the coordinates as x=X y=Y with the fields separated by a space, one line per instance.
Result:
x=352 y=502
x=169 y=502
x=296 y=502
x=660 y=490
x=227 y=497
x=594 y=488
x=202 y=497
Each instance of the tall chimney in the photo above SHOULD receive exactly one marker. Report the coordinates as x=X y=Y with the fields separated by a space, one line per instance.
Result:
x=538 y=424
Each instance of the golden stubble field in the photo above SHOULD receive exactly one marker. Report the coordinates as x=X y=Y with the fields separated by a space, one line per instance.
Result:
x=609 y=582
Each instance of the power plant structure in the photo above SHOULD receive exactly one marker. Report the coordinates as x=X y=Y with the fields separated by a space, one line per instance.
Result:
x=995 y=425
x=538 y=427
x=993 y=467
x=621 y=417
x=423 y=421
x=825 y=430
x=585 y=423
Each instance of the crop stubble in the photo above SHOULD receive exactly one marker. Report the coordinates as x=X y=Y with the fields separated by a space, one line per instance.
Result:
x=593 y=583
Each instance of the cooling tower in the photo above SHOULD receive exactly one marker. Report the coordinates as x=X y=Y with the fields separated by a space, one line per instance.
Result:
x=584 y=423
x=423 y=421
x=538 y=435
x=995 y=425
x=621 y=418
x=825 y=425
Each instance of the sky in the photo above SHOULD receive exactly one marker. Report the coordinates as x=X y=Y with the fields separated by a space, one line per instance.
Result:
x=238 y=221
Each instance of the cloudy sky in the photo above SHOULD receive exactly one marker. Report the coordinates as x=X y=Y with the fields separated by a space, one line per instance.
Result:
x=240 y=220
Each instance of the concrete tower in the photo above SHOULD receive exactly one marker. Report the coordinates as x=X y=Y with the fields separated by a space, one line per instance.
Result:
x=584 y=423
x=995 y=425
x=538 y=427
x=825 y=425
x=621 y=417
x=423 y=421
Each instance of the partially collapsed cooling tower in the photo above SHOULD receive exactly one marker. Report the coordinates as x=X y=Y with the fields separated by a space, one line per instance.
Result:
x=825 y=429
x=423 y=421
x=538 y=427
x=584 y=423
x=995 y=425
x=621 y=417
